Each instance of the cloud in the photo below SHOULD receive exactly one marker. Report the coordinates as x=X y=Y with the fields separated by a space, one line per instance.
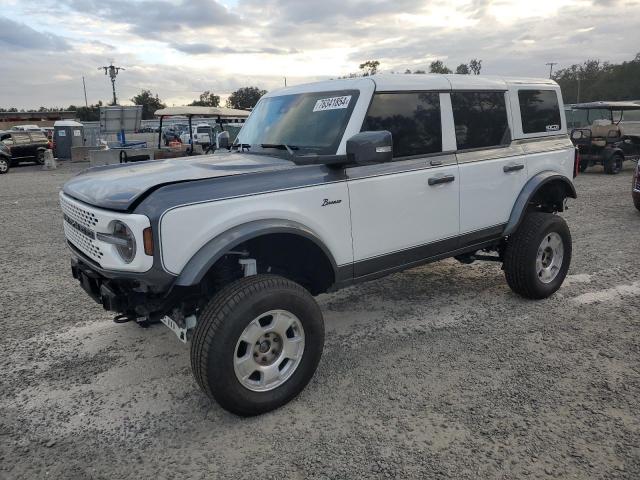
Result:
x=181 y=48
x=20 y=36
x=157 y=18
x=204 y=48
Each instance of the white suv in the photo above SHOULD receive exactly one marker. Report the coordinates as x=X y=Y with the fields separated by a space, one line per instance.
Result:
x=328 y=185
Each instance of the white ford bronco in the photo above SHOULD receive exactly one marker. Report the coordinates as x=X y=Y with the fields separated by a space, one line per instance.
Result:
x=327 y=185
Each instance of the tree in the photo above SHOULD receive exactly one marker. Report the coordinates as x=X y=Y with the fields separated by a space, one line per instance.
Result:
x=475 y=66
x=207 y=99
x=594 y=80
x=87 y=114
x=245 y=98
x=462 y=69
x=370 y=67
x=438 y=67
x=149 y=102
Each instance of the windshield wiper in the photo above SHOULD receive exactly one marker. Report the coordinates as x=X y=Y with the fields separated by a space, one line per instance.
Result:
x=281 y=146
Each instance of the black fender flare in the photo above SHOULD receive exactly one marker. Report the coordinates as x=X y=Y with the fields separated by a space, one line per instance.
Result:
x=527 y=193
x=214 y=249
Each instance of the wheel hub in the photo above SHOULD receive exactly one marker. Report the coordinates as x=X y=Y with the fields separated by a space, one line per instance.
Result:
x=269 y=350
x=549 y=257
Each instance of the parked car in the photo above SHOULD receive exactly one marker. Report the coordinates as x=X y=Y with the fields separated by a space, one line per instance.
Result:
x=328 y=185
x=25 y=145
x=635 y=189
x=604 y=142
x=5 y=158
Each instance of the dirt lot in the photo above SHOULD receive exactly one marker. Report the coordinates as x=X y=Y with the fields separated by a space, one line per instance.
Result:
x=438 y=372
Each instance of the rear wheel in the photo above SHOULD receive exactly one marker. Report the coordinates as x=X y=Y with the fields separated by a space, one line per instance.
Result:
x=613 y=165
x=538 y=255
x=257 y=344
x=5 y=165
x=40 y=157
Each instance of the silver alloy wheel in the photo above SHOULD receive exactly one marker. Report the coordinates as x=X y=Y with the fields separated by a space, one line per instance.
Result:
x=549 y=258
x=269 y=350
x=4 y=165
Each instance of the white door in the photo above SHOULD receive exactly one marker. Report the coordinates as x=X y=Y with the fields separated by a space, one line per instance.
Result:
x=490 y=182
x=403 y=211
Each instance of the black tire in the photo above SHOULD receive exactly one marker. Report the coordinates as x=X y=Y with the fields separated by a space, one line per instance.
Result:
x=222 y=322
x=40 y=157
x=522 y=251
x=636 y=202
x=613 y=165
x=5 y=165
x=584 y=164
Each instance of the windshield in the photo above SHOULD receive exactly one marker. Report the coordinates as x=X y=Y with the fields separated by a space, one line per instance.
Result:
x=305 y=122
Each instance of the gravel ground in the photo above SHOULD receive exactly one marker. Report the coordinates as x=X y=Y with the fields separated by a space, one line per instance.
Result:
x=437 y=372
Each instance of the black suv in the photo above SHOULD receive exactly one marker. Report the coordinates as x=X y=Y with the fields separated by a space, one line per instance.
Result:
x=25 y=146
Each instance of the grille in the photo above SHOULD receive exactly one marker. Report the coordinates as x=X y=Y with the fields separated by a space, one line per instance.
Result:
x=84 y=243
x=81 y=216
x=86 y=219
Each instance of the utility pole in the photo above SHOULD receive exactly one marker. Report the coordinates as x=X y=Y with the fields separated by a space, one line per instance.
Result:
x=84 y=86
x=112 y=71
x=551 y=64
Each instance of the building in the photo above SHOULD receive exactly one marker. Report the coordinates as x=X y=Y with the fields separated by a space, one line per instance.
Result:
x=42 y=119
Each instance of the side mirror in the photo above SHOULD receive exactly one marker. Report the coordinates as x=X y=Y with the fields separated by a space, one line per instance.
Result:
x=222 y=140
x=365 y=148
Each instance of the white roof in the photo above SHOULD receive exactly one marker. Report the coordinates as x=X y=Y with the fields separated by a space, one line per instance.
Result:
x=428 y=81
x=67 y=123
x=202 y=111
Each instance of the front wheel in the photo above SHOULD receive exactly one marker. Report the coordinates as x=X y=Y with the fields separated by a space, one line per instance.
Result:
x=538 y=255
x=257 y=344
x=40 y=157
x=5 y=165
x=613 y=165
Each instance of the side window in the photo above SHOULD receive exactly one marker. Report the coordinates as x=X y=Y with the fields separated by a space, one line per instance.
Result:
x=412 y=118
x=480 y=119
x=539 y=110
x=6 y=139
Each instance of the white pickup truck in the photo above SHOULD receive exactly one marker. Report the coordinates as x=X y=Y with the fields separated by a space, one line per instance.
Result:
x=327 y=185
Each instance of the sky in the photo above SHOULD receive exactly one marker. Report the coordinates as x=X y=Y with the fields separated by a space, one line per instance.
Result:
x=179 y=48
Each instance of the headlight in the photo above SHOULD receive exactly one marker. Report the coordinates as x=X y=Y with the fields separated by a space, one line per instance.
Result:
x=123 y=239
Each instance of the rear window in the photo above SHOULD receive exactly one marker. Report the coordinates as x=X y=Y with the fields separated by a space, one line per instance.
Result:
x=21 y=138
x=539 y=110
x=412 y=118
x=38 y=136
x=480 y=119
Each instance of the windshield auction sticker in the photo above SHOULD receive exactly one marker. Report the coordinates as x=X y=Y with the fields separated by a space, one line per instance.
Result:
x=333 y=103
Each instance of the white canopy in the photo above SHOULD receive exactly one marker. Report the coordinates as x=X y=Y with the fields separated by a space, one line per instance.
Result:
x=201 y=111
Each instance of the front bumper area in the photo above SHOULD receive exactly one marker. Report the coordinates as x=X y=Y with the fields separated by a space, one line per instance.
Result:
x=113 y=295
x=125 y=295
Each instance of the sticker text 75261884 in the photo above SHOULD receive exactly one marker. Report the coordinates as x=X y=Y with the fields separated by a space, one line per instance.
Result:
x=333 y=103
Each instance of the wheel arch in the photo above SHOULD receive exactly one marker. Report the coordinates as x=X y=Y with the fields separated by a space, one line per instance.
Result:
x=547 y=188
x=206 y=257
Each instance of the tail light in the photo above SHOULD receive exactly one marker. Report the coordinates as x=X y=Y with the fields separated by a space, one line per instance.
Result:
x=576 y=162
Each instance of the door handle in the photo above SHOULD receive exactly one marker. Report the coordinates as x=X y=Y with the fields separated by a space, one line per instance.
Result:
x=514 y=167
x=438 y=180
